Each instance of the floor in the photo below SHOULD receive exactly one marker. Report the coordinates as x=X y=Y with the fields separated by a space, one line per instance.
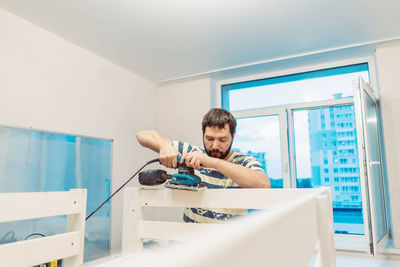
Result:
x=341 y=261
x=346 y=261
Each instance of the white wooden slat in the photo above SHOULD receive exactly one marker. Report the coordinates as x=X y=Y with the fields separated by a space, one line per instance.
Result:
x=326 y=234
x=76 y=223
x=223 y=198
x=131 y=218
x=177 y=231
x=36 y=251
x=24 y=206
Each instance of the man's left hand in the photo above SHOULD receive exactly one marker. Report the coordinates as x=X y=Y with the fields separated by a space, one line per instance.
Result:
x=197 y=160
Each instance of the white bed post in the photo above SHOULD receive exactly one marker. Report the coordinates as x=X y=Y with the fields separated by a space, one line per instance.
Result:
x=132 y=216
x=76 y=223
x=326 y=255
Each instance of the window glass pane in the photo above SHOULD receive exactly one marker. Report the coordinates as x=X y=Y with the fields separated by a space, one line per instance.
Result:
x=328 y=156
x=376 y=175
x=260 y=138
x=290 y=89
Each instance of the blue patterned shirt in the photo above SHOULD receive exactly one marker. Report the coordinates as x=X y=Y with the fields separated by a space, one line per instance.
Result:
x=215 y=180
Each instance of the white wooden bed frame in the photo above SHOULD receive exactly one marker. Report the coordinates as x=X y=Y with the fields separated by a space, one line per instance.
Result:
x=67 y=246
x=295 y=230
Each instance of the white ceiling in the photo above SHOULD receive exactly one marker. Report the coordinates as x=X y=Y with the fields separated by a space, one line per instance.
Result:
x=170 y=39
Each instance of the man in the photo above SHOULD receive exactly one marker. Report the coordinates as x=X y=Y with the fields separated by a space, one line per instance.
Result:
x=216 y=164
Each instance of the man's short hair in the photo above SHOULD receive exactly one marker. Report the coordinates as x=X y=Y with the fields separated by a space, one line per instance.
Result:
x=218 y=117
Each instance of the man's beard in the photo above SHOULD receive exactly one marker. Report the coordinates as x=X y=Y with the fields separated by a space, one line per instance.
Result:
x=215 y=153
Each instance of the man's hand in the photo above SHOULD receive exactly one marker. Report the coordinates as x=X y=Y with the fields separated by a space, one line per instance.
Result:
x=168 y=155
x=198 y=160
x=153 y=140
x=243 y=176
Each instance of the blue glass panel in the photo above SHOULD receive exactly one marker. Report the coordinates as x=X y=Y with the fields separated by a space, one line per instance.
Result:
x=328 y=156
x=32 y=161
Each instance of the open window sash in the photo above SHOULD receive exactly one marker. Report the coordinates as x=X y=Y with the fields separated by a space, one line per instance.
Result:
x=370 y=158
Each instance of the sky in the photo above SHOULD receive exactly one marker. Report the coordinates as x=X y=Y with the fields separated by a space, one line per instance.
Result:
x=261 y=134
x=294 y=92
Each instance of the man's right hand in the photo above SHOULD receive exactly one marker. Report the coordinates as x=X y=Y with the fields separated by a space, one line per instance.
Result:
x=153 y=140
x=169 y=155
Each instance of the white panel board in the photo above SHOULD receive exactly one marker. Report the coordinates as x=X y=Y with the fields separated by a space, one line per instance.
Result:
x=40 y=250
x=24 y=206
x=223 y=198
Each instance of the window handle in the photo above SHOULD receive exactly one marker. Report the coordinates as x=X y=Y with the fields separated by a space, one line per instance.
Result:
x=374 y=163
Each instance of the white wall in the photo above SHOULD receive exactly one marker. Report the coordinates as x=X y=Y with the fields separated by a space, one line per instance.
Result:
x=388 y=65
x=181 y=109
x=48 y=83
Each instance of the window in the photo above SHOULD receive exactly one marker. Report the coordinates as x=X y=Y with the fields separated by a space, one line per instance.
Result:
x=317 y=133
x=316 y=114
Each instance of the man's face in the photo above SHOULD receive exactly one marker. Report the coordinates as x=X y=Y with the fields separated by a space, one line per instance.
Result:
x=217 y=142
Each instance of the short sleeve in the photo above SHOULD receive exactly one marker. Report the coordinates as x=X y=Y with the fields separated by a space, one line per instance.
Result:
x=252 y=163
x=184 y=147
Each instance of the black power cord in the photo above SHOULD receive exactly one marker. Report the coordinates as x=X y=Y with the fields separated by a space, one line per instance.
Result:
x=47 y=264
x=33 y=234
x=141 y=168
